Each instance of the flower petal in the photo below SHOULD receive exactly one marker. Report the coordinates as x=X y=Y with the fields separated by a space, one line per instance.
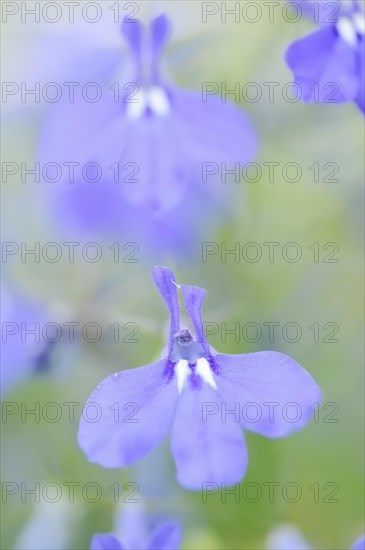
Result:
x=162 y=170
x=319 y=12
x=359 y=543
x=272 y=394
x=81 y=132
x=127 y=415
x=193 y=298
x=165 y=281
x=360 y=98
x=212 y=130
x=132 y=32
x=160 y=33
x=166 y=536
x=97 y=211
x=205 y=450
x=105 y=541
x=324 y=67
x=20 y=353
x=154 y=159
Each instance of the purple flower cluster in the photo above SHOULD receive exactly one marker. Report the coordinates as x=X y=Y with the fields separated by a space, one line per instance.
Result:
x=149 y=143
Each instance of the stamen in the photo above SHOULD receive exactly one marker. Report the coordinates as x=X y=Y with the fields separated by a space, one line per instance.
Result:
x=182 y=372
x=347 y=31
x=359 y=22
x=137 y=106
x=154 y=98
x=158 y=101
x=203 y=368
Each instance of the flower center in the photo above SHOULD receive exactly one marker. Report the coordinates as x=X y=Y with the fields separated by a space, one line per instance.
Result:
x=184 y=337
x=189 y=358
x=184 y=369
x=152 y=99
x=186 y=347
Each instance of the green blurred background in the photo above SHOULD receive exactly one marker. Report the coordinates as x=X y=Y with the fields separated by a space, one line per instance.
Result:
x=304 y=292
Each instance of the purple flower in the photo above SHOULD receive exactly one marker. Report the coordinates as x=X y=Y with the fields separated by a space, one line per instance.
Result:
x=131 y=534
x=94 y=212
x=147 y=137
x=359 y=543
x=189 y=390
x=23 y=350
x=165 y=537
x=328 y=64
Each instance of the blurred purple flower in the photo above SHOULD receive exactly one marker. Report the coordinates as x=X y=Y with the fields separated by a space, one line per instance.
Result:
x=328 y=64
x=359 y=543
x=23 y=350
x=166 y=536
x=148 y=137
x=94 y=212
x=131 y=528
x=185 y=390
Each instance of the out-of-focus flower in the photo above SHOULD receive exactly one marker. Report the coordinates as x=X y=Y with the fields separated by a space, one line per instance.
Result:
x=147 y=137
x=166 y=536
x=131 y=532
x=287 y=537
x=190 y=389
x=100 y=212
x=359 y=543
x=23 y=350
x=328 y=64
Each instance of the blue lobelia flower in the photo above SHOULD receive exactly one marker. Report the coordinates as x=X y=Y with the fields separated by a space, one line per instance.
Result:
x=146 y=136
x=193 y=390
x=166 y=536
x=359 y=543
x=131 y=527
x=23 y=348
x=286 y=537
x=328 y=64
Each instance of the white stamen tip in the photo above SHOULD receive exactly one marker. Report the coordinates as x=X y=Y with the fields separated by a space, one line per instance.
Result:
x=158 y=101
x=347 y=31
x=154 y=98
x=204 y=370
x=137 y=105
x=359 y=22
x=182 y=372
